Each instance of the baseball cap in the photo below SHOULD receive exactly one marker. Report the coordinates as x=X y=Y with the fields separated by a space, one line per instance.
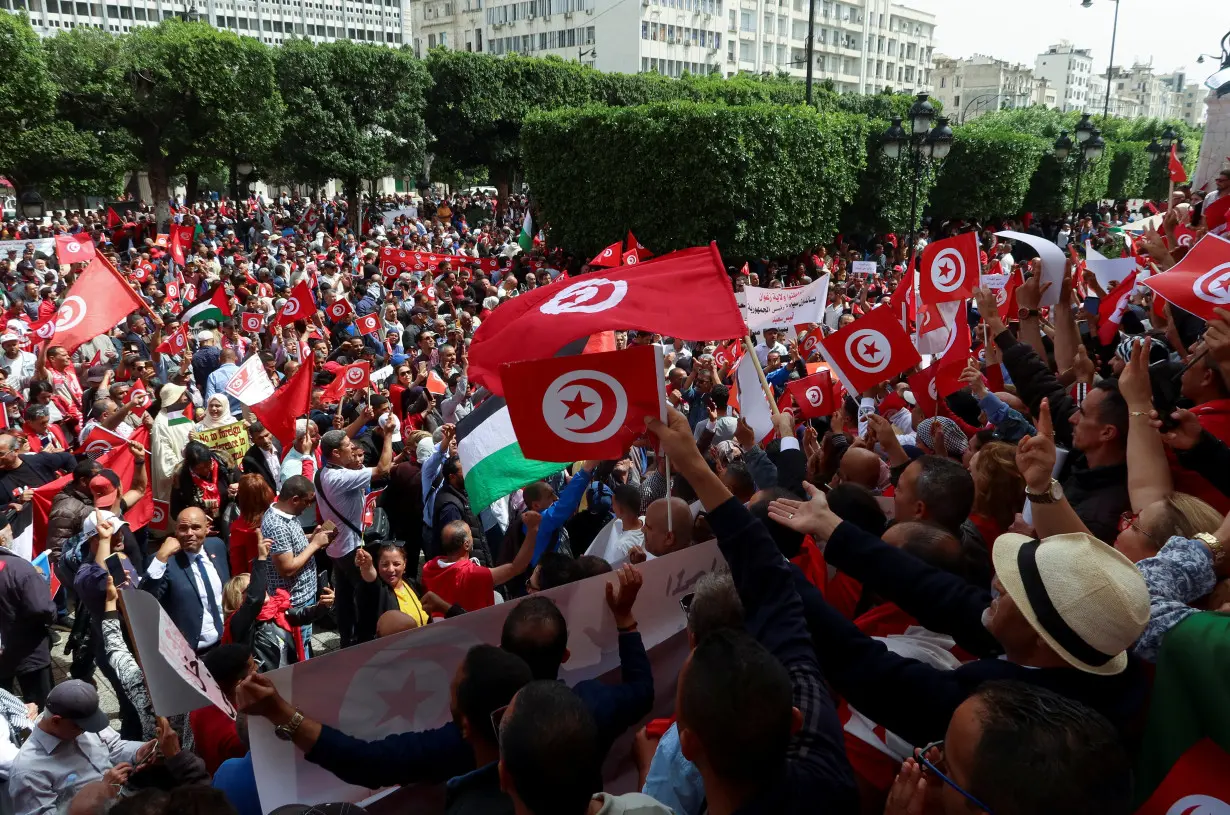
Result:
x=104 y=492
x=89 y=527
x=204 y=336
x=10 y=338
x=77 y=701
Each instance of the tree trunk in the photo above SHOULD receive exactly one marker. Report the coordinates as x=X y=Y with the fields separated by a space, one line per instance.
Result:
x=351 y=188
x=233 y=182
x=159 y=175
x=192 y=186
x=501 y=178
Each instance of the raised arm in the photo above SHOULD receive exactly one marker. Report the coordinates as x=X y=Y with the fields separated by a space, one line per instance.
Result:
x=521 y=561
x=1148 y=477
x=1035 y=459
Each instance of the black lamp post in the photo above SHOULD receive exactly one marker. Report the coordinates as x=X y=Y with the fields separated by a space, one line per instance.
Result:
x=922 y=144
x=1089 y=147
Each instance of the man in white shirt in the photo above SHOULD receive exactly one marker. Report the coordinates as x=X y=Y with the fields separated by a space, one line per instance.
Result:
x=769 y=343
x=70 y=746
x=341 y=488
x=187 y=575
x=301 y=460
x=18 y=365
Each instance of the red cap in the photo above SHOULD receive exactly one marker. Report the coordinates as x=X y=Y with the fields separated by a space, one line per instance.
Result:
x=103 y=490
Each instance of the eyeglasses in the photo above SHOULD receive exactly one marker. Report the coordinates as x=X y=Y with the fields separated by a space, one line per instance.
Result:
x=920 y=755
x=497 y=716
x=1130 y=518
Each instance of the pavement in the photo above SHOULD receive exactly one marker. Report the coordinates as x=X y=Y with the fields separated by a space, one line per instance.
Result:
x=323 y=641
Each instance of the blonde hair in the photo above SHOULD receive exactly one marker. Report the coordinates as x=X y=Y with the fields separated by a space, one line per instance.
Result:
x=1184 y=515
x=232 y=593
x=999 y=487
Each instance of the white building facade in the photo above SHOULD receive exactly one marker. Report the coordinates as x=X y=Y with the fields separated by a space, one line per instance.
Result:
x=1069 y=70
x=981 y=84
x=384 y=22
x=860 y=47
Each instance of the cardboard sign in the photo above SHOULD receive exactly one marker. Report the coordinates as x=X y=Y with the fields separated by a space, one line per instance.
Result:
x=785 y=308
x=231 y=439
x=866 y=268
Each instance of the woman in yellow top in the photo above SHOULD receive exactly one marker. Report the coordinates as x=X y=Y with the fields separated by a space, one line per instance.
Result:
x=385 y=588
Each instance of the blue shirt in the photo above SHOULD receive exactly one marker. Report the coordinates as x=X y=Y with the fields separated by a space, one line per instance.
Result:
x=556 y=515
x=217 y=382
x=672 y=779
x=237 y=780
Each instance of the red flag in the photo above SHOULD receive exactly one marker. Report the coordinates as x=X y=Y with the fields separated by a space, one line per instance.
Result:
x=177 y=343
x=923 y=386
x=435 y=384
x=1177 y=174
x=158 y=521
x=1005 y=298
x=635 y=253
x=98 y=299
x=931 y=319
x=252 y=321
x=1184 y=236
x=279 y=412
x=869 y=350
x=357 y=375
x=1111 y=308
x=1216 y=213
x=809 y=341
x=44 y=329
x=813 y=394
x=299 y=306
x=949 y=269
x=1195 y=785
x=584 y=407
x=368 y=324
x=338 y=310
x=395 y=261
x=74 y=249
x=902 y=304
x=97 y=358
x=600 y=343
x=727 y=354
x=181 y=241
x=139 y=397
x=539 y=323
x=113 y=218
x=610 y=256
x=1200 y=281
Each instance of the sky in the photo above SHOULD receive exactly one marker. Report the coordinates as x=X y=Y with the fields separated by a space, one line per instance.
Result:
x=1173 y=34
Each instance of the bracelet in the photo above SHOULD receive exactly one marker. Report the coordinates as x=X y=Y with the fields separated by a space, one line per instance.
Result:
x=627 y=630
x=1136 y=413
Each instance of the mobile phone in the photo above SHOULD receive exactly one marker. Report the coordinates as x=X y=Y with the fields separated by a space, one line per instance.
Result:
x=328 y=526
x=115 y=566
x=322 y=579
x=1091 y=304
x=685 y=602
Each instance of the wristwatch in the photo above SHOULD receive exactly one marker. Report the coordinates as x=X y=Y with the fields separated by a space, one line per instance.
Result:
x=1215 y=548
x=286 y=732
x=1052 y=495
x=1026 y=313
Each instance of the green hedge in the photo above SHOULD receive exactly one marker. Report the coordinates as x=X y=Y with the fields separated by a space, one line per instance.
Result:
x=761 y=179
x=1129 y=169
x=987 y=173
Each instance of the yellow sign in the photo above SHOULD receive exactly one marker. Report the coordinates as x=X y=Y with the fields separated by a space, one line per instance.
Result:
x=231 y=439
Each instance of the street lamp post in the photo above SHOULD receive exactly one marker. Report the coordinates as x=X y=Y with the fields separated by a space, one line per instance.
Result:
x=1110 y=64
x=1089 y=148
x=922 y=143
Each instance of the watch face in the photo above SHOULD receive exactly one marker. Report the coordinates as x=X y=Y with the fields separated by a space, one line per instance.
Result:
x=1022 y=313
x=1056 y=490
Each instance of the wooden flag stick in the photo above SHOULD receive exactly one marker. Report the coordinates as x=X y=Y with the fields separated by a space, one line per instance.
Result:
x=670 y=524
x=764 y=383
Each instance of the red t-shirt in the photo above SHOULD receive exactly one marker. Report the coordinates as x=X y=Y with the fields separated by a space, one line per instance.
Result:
x=463 y=583
x=216 y=737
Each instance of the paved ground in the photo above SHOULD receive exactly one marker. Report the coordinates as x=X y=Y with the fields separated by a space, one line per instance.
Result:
x=322 y=642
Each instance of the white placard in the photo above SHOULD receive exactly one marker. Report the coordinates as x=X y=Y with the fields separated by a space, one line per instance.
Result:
x=250 y=384
x=783 y=308
x=994 y=282
x=863 y=267
x=1054 y=261
x=45 y=245
x=178 y=681
x=381 y=374
x=1108 y=271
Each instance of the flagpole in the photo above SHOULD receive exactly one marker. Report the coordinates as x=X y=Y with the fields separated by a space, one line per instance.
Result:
x=764 y=383
x=670 y=524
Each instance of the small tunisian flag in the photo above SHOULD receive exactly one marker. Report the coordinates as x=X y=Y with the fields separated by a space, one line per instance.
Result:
x=813 y=394
x=368 y=324
x=98 y=299
x=44 y=329
x=299 y=306
x=869 y=351
x=74 y=249
x=279 y=412
x=252 y=321
x=950 y=269
x=177 y=343
x=725 y=355
x=591 y=406
x=610 y=256
x=353 y=376
x=1111 y=308
x=635 y=253
x=924 y=388
x=181 y=241
x=903 y=305
x=539 y=323
x=1200 y=281
x=436 y=385
x=1177 y=174
x=1005 y=298
x=139 y=397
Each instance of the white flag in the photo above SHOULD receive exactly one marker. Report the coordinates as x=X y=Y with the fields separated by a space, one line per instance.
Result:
x=753 y=404
x=250 y=384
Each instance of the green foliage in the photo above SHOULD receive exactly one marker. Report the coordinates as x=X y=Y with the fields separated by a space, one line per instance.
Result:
x=885 y=187
x=1129 y=169
x=765 y=179
x=987 y=173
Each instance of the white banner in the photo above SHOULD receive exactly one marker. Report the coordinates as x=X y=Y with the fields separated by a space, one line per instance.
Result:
x=391 y=215
x=753 y=404
x=178 y=682
x=863 y=267
x=994 y=282
x=250 y=384
x=401 y=683
x=782 y=308
x=1054 y=261
x=45 y=245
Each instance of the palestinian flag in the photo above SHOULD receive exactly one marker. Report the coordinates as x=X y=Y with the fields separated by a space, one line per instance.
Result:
x=526 y=238
x=215 y=308
x=491 y=458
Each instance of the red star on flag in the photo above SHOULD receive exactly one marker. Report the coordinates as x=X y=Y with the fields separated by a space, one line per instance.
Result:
x=870 y=351
x=577 y=406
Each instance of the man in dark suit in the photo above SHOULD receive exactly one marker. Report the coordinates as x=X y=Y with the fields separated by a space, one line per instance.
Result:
x=187 y=575
x=264 y=457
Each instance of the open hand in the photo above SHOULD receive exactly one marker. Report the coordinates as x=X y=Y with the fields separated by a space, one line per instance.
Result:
x=811 y=517
x=621 y=594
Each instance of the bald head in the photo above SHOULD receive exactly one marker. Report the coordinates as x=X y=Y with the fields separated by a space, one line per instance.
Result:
x=227 y=355
x=860 y=466
x=929 y=543
x=394 y=622
x=191 y=528
x=659 y=540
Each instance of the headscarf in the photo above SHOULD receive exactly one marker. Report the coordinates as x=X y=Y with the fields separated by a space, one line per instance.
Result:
x=208 y=422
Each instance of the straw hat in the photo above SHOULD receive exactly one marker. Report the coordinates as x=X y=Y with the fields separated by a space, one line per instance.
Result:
x=1084 y=598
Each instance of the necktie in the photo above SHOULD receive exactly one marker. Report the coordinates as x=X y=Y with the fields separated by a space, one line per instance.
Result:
x=209 y=593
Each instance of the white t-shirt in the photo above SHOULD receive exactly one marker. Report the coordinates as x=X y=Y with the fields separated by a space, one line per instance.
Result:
x=345 y=490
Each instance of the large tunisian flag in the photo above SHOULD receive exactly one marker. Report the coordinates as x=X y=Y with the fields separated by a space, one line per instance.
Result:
x=685 y=294
x=1200 y=282
x=98 y=299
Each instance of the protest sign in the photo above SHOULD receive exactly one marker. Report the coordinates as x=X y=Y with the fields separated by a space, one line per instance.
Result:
x=993 y=282
x=177 y=680
x=231 y=439
x=401 y=683
x=784 y=308
x=863 y=267
x=43 y=246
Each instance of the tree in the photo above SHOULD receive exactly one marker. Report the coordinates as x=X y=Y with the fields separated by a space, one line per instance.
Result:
x=353 y=112
x=987 y=173
x=765 y=180
x=180 y=92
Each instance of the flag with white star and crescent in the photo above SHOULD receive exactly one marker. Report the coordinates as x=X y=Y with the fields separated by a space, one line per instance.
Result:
x=870 y=350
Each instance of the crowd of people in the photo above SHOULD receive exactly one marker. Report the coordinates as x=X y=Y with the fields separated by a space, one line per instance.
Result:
x=958 y=610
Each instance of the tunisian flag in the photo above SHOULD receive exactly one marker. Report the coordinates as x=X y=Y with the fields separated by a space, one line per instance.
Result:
x=279 y=412
x=610 y=256
x=1110 y=310
x=1175 y=167
x=74 y=249
x=1200 y=281
x=591 y=406
x=813 y=394
x=646 y=298
x=181 y=241
x=353 y=376
x=98 y=299
x=1005 y=298
x=870 y=350
x=299 y=306
x=950 y=269
x=177 y=343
